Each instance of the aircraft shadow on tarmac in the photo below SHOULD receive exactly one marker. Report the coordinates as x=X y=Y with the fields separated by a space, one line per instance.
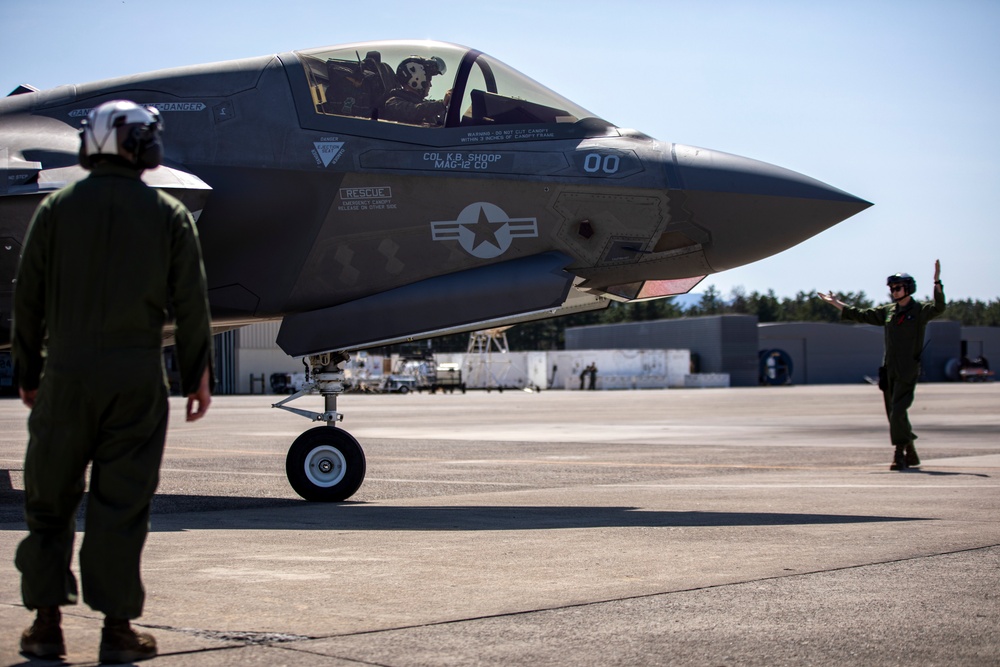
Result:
x=295 y=515
x=215 y=513
x=172 y=512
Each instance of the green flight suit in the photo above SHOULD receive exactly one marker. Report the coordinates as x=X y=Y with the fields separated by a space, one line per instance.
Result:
x=904 y=343
x=103 y=262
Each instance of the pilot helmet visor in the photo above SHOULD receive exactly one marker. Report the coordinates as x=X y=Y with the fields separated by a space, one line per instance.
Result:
x=435 y=65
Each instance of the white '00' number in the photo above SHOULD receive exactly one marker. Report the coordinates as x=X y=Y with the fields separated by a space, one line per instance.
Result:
x=595 y=162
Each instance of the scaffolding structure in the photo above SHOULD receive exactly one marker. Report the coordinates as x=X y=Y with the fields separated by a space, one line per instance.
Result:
x=487 y=359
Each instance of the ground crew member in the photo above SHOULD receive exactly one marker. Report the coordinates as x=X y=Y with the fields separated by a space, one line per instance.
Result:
x=103 y=262
x=904 y=321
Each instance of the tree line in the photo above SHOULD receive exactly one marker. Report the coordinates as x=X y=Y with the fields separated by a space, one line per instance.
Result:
x=768 y=307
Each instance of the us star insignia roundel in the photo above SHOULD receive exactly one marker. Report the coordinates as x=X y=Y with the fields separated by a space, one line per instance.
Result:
x=484 y=230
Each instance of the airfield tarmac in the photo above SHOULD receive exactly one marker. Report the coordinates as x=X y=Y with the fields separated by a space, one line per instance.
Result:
x=756 y=526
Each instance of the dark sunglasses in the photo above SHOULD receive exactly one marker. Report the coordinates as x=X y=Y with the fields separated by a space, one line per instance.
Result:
x=896 y=288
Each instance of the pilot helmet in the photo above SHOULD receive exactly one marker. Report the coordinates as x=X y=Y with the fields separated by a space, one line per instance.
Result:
x=122 y=130
x=415 y=73
x=904 y=279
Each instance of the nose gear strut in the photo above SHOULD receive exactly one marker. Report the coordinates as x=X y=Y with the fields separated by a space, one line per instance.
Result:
x=325 y=463
x=325 y=375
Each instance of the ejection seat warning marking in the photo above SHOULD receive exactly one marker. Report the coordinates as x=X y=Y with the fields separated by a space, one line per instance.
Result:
x=327 y=152
x=507 y=134
x=366 y=199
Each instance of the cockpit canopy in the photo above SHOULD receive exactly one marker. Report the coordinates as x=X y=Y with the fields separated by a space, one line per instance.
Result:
x=430 y=84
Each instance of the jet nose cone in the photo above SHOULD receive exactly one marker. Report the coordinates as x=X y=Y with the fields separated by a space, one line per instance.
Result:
x=753 y=209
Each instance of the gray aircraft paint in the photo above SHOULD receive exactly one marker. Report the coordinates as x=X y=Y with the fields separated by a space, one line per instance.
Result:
x=358 y=232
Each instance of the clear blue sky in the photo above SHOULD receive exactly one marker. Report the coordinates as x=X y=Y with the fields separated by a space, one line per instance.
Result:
x=897 y=102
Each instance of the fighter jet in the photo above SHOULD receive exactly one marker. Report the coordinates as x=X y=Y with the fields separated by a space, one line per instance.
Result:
x=375 y=193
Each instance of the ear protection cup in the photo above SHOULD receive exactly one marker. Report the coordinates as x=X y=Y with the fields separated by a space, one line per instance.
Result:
x=149 y=154
x=143 y=143
x=85 y=160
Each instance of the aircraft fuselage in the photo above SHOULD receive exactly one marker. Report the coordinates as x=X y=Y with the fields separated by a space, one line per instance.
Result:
x=308 y=199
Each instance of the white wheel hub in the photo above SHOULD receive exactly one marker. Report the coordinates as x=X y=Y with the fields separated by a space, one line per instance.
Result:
x=325 y=466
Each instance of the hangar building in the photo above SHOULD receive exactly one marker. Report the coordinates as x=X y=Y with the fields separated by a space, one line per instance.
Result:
x=820 y=352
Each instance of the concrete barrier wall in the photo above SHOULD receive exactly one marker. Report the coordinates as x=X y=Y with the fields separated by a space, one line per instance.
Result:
x=561 y=369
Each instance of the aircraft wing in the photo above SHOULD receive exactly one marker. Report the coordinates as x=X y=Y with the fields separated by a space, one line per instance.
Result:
x=20 y=177
x=28 y=174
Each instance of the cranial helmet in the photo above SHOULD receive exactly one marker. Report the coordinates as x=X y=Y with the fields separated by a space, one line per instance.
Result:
x=415 y=73
x=124 y=130
x=904 y=279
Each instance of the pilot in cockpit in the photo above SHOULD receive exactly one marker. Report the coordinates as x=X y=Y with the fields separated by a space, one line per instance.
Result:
x=408 y=102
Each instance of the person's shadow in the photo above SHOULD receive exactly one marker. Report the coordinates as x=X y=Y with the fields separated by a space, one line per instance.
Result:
x=942 y=473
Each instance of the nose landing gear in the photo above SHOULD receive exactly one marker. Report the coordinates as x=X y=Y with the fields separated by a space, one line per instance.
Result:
x=324 y=464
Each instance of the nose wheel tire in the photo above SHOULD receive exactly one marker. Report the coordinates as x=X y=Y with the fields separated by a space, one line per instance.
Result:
x=325 y=464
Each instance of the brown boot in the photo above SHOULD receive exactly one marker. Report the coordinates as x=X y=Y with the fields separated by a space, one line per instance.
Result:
x=44 y=639
x=121 y=644
x=912 y=460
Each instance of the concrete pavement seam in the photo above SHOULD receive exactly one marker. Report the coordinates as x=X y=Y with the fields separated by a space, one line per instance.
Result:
x=643 y=596
x=264 y=638
x=243 y=639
